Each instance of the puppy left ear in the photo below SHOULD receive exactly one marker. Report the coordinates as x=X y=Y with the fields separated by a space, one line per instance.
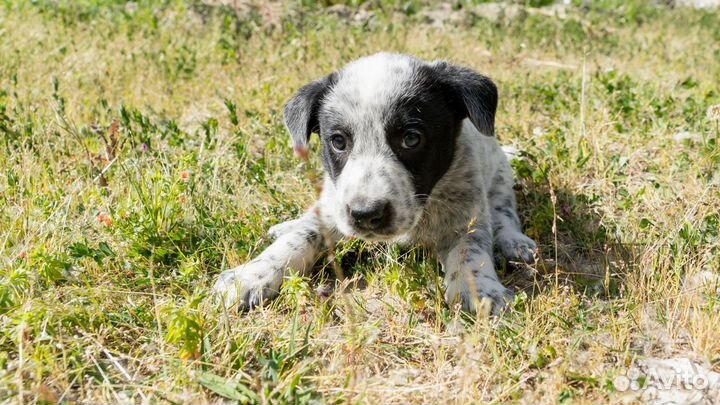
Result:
x=477 y=93
x=301 y=112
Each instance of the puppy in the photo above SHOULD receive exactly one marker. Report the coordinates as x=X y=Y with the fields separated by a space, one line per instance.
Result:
x=410 y=156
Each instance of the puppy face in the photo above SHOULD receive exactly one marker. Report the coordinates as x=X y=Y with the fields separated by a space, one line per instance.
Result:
x=388 y=125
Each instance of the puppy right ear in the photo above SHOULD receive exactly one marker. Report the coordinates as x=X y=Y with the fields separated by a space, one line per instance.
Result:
x=478 y=94
x=301 y=112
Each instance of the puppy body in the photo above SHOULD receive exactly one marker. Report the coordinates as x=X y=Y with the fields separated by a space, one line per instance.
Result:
x=409 y=156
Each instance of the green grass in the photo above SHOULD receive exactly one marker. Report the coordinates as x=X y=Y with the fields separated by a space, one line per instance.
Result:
x=143 y=151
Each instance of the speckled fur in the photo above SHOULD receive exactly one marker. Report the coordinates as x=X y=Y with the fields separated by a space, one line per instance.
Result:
x=470 y=212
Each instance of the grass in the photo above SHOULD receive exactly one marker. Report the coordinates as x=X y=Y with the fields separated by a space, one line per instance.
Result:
x=142 y=152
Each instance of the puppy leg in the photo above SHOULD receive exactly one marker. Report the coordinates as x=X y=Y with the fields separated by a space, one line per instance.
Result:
x=282 y=228
x=470 y=277
x=296 y=247
x=509 y=239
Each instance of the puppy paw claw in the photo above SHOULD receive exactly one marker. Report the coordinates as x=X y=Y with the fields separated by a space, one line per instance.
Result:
x=517 y=247
x=488 y=297
x=245 y=287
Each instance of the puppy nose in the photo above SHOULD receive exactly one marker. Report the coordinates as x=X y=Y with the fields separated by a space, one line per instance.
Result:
x=371 y=216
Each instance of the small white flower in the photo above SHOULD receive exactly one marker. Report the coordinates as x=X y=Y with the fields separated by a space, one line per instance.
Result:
x=713 y=112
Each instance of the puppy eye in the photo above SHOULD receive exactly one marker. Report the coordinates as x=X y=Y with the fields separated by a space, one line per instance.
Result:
x=338 y=142
x=411 y=140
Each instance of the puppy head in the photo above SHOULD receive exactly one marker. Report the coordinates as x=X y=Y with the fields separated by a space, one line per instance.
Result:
x=388 y=125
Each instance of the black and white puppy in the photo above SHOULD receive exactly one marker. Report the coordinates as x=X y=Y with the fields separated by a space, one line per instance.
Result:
x=410 y=156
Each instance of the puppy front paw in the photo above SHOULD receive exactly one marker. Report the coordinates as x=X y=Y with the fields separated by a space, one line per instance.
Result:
x=247 y=286
x=483 y=294
x=517 y=247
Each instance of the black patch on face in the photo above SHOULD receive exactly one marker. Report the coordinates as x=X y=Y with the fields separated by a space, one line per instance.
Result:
x=440 y=96
x=434 y=112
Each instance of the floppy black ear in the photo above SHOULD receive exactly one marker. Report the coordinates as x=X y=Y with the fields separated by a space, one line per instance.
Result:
x=301 y=112
x=476 y=92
